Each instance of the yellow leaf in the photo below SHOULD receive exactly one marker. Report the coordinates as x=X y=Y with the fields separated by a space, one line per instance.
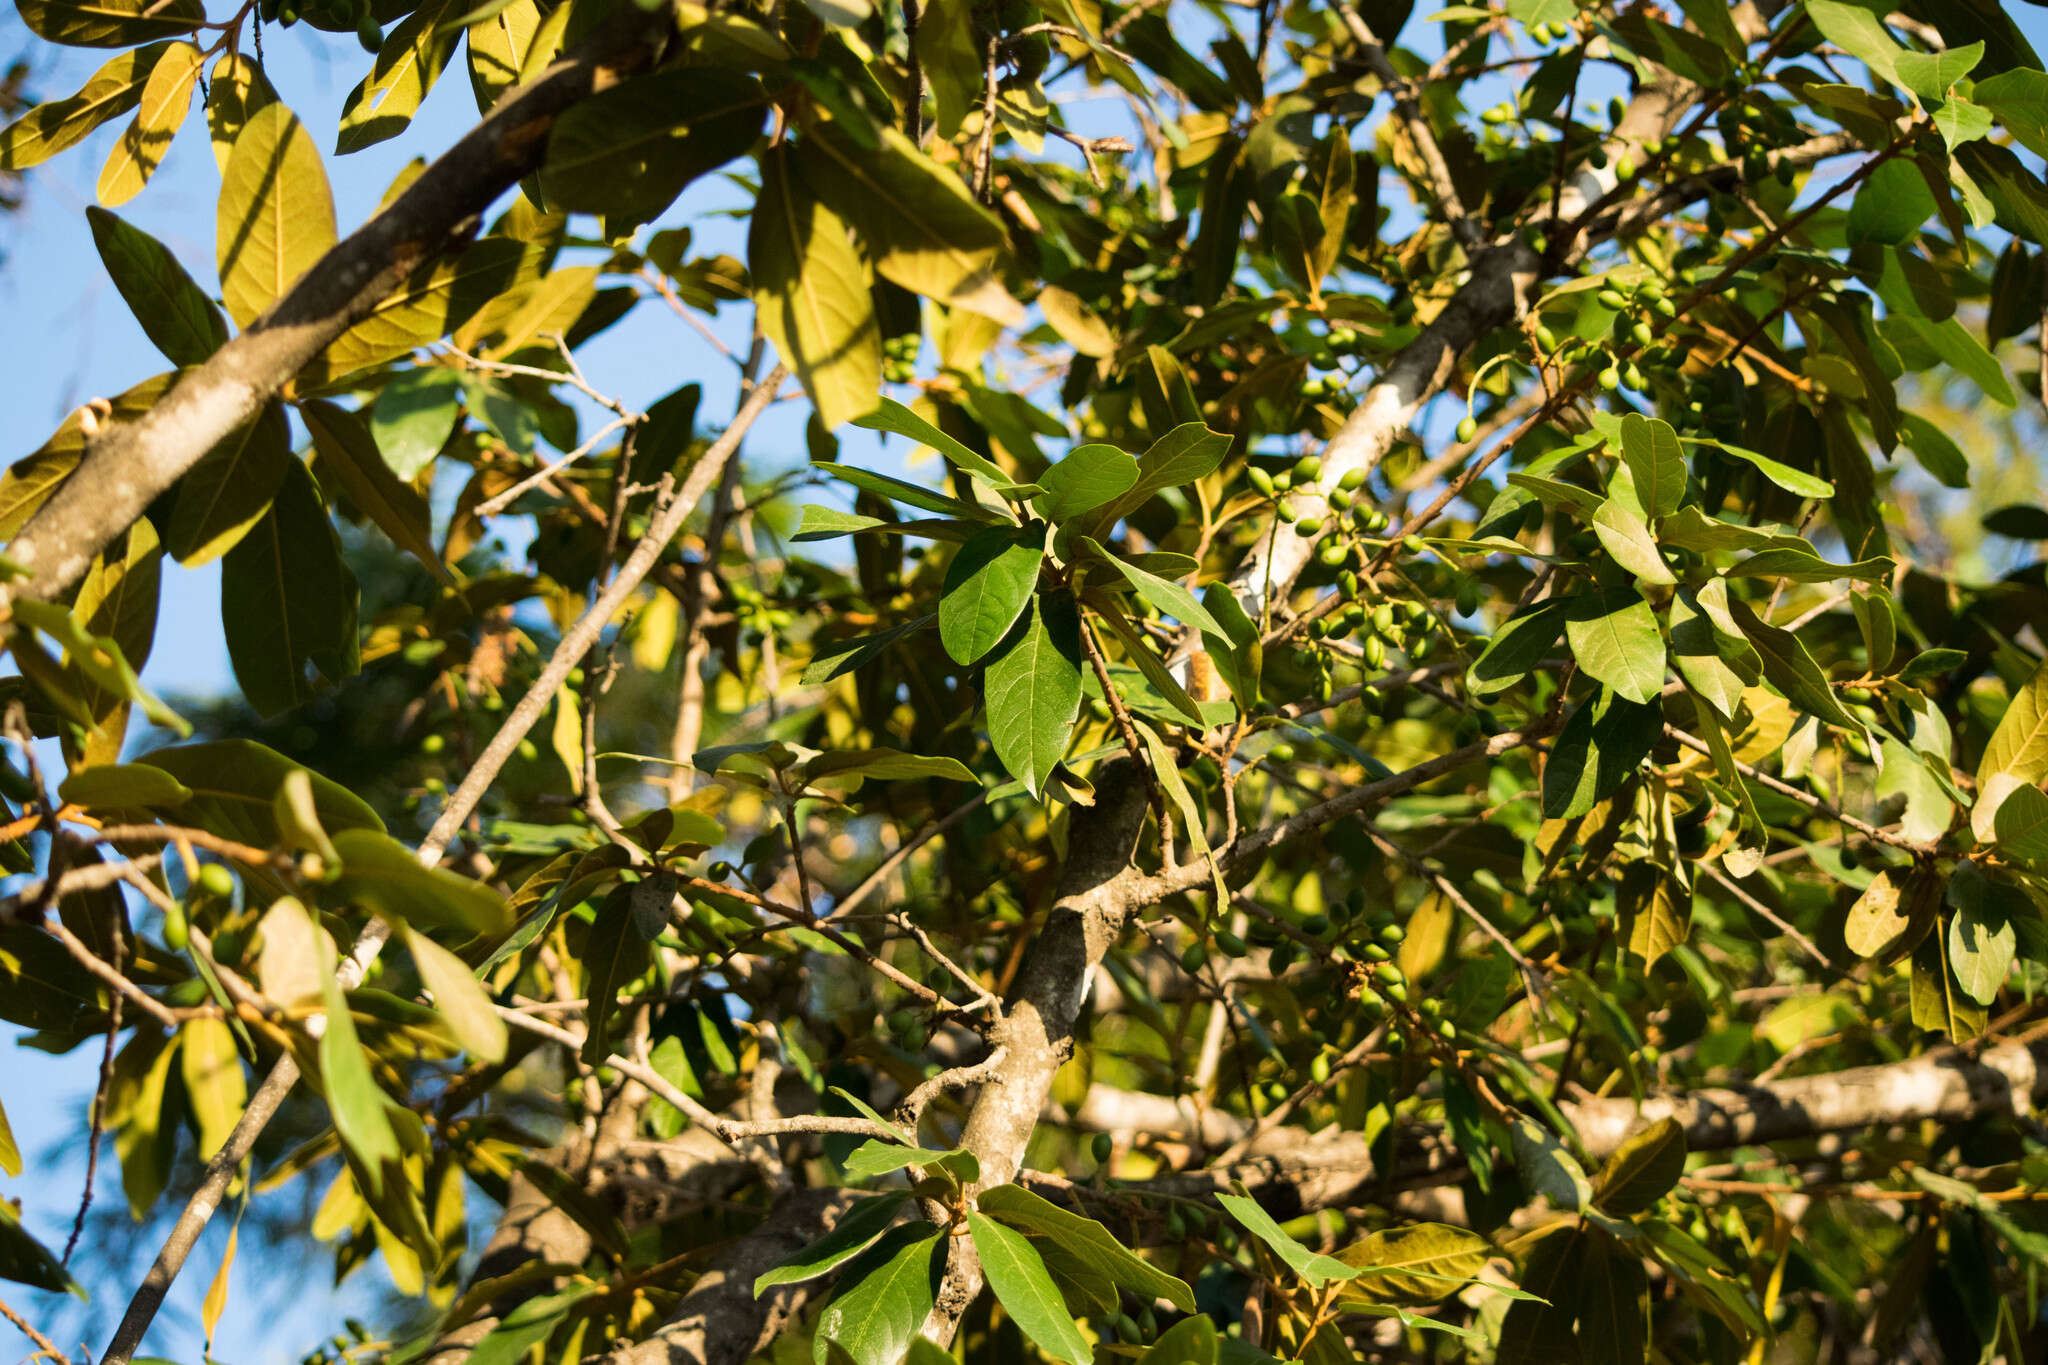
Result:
x=297 y=957
x=49 y=128
x=813 y=293
x=214 y=1083
x=237 y=90
x=166 y=99
x=276 y=214
x=568 y=736
x=217 y=1293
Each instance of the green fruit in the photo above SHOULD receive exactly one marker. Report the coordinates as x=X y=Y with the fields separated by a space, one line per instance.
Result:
x=177 y=933
x=528 y=750
x=1230 y=944
x=1610 y=378
x=1468 y=430
x=1103 y=1146
x=1353 y=480
x=1261 y=480
x=1315 y=926
x=1308 y=468
x=1392 y=933
x=1612 y=298
x=1396 y=991
x=1546 y=338
x=902 y=1021
x=1176 y=1226
x=1374 y=952
x=1193 y=957
x=1642 y=333
x=217 y=880
x=1283 y=752
x=433 y=744
x=1281 y=959
x=369 y=34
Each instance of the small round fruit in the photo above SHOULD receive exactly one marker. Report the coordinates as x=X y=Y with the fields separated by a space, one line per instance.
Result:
x=1468 y=430
x=217 y=880
x=1103 y=1146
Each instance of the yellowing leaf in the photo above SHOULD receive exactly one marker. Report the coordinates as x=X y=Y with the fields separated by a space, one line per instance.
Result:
x=813 y=292
x=236 y=90
x=408 y=63
x=166 y=99
x=214 y=1083
x=276 y=215
x=109 y=23
x=49 y=128
x=216 y=1301
x=297 y=958
x=459 y=997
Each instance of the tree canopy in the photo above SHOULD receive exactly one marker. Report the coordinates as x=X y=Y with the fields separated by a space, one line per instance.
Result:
x=1392 y=709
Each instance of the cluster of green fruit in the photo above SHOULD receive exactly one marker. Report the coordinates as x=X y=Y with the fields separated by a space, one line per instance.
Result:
x=1639 y=311
x=899 y=357
x=1408 y=627
x=329 y=14
x=213 y=890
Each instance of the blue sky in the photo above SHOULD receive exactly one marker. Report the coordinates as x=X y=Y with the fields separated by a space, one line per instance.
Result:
x=70 y=338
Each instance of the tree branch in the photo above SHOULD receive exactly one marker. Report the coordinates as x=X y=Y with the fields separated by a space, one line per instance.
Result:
x=129 y=464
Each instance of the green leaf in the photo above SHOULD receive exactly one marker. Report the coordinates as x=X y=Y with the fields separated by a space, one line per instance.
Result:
x=1614 y=637
x=1188 y=452
x=884 y=1297
x=1603 y=740
x=1890 y=206
x=1785 y=476
x=1614 y=1309
x=288 y=599
x=1959 y=347
x=1178 y=704
x=49 y=128
x=812 y=293
x=2018 y=99
x=412 y=418
x=1088 y=477
x=1649 y=449
x=1032 y=690
x=884 y=765
x=1804 y=566
x=99 y=658
x=2020 y=825
x=1981 y=945
x=526 y=1326
x=174 y=312
x=1931 y=75
x=27 y=1261
x=459 y=997
x=857 y=1230
x=1523 y=641
x=909 y=494
x=221 y=498
x=1018 y=1276
x=1191 y=1341
x=627 y=152
x=875 y=1157
x=276 y=214
x=353 y=1096
x=1655 y=909
x=1417 y=1264
x=1313 y=1267
x=1642 y=1170
x=1858 y=32
x=614 y=954
x=352 y=464
x=837 y=659
x=987 y=587
x=1628 y=538
x=1087 y=1242
x=920 y=224
x=234 y=783
x=109 y=23
x=951 y=59
x=119 y=786
x=383 y=875
x=1547 y=1169
x=1789 y=667
x=892 y=416
x=1167 y=596
x=1893 y=914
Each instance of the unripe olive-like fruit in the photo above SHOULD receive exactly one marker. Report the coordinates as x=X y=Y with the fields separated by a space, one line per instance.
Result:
x=1610 y=378
x=1612 y=298
x=1353 y=480
x=1192 y=957
x=1280 y=959
x=1283 y=752
x=1392 y=933
x=1468 y=429
x=433 y=744
x=1230 y=944
x=1315 y=926
x=1103 y=1147
x=217 y=880
x=177 y=933
x=1307 y=468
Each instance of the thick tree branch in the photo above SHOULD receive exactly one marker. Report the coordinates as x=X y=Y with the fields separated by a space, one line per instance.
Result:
x=130 y=464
